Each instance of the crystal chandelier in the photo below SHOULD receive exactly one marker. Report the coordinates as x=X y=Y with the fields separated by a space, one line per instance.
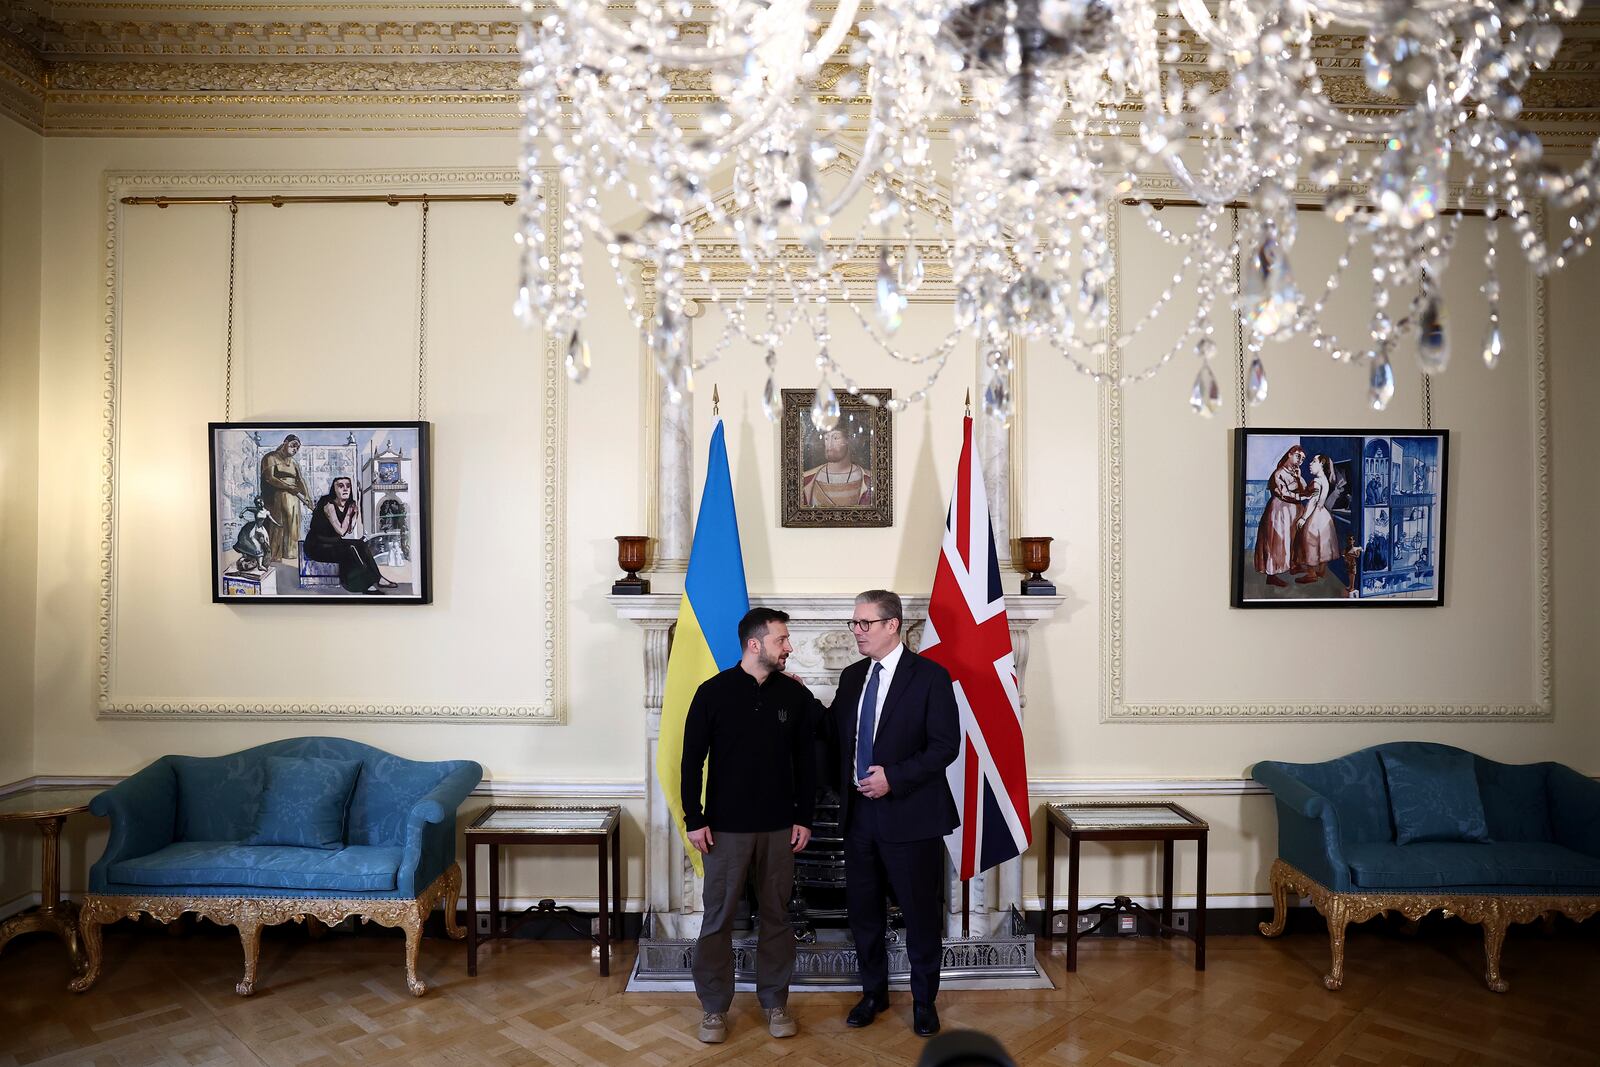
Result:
x=764 y=122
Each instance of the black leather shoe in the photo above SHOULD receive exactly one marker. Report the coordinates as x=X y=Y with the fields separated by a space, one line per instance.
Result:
x=867 y=1009
x=924 y=1019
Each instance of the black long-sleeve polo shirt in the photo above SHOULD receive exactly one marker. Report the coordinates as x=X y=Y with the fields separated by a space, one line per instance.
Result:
x=762 y=774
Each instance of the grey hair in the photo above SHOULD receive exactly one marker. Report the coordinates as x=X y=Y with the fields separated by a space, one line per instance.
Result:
x=885 y=601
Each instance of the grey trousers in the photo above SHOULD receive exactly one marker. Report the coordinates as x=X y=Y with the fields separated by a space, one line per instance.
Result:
x=731 y=856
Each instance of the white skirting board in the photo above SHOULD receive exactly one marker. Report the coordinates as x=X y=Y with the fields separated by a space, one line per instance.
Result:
x=21 y=904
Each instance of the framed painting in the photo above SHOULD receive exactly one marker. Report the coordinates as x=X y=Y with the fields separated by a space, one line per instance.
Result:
x=842 y=477
x=320 y=512
x=1339 y=518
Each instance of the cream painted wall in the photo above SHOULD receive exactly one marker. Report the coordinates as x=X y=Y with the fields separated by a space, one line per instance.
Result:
x=1483 y=650
x=21 y=186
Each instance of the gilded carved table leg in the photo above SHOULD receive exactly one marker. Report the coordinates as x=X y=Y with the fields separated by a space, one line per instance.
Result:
x=89 y=934
x=413 y=929
x=452 y=898
x=1337 y=915
x=1280 y=902
x=250 y=937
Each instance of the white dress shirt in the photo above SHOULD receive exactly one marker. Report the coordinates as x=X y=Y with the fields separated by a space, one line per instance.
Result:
x=885 y=676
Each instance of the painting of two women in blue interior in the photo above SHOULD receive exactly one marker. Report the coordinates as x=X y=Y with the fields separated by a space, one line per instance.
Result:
x=1337 y=518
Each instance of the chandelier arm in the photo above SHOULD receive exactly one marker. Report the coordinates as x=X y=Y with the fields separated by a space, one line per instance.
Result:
x=1379 y=15
x=1358 y=14
x=606 y=27
x=1208 y=195
x=843 y=20
x=1205 y=27
x=871 y=152
x=1319 y=108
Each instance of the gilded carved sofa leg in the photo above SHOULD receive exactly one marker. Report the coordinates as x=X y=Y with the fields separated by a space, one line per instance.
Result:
x=89 y=922
x=452 y=898
x=250 y=937
x=1495 y=924
x=413 y=928
x=1338 y=915
x=1280 y=902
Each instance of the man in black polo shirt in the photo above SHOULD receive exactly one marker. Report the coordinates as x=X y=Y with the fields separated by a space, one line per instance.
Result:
x=757 y=725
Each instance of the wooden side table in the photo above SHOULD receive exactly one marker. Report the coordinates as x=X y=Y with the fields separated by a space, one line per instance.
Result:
x=505 y=824
x=48 y=810
x=1164 y=822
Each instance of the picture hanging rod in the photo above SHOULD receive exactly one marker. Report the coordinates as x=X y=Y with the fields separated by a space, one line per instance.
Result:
x=392 y=199
x=1159 y=202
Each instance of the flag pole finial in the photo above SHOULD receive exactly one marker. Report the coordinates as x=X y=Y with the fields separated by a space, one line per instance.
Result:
x=716 y=403
x=969 y=401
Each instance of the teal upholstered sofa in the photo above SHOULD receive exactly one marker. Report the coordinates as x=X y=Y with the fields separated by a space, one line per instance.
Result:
x=306 y=828
x=1412 y=827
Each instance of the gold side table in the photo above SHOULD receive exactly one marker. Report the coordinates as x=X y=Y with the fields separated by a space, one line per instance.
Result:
x=48 y=809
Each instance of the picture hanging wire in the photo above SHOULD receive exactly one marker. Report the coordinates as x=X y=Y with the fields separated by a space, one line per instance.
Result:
x=422 y=318
x=1241 y=406
x=1427 y=379
x=233 y=247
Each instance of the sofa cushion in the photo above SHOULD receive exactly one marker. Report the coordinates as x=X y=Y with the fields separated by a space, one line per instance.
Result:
x=1513 y=865
x=1433 y=795
x=1515 y=803
x=218 y=796
x=305 y=802
x=224 y=863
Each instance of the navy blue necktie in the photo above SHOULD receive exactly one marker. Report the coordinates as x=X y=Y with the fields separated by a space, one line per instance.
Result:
x=869 y=713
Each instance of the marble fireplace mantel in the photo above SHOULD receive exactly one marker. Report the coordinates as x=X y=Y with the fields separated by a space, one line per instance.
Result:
x=823 y=647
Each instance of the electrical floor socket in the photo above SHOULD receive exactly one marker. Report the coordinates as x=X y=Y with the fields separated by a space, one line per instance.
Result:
x=1127 y=924
x=483 y=924
x=1180 y=920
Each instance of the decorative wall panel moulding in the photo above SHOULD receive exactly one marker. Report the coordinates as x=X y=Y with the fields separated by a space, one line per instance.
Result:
x=1114 y=706
x=548 y=651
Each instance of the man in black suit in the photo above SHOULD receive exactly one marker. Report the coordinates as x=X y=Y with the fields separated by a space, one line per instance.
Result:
x=892 y=731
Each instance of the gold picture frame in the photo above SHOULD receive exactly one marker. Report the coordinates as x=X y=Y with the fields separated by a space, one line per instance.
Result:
x=843 y=479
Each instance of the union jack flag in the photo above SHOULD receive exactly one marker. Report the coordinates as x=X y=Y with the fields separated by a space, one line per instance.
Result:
x=968 y=634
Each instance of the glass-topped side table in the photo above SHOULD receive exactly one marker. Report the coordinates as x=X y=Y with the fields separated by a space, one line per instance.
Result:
x=505 y=824
x=48 y=808
x=1157 y=821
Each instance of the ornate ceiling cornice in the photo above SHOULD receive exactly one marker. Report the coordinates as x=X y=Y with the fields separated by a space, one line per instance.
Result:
x=75 y=67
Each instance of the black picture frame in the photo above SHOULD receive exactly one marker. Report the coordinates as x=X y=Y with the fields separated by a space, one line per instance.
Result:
x=868 y=435
x=389 y=465
x=1385 y=508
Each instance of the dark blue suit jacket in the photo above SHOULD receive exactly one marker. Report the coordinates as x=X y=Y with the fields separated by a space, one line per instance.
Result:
x=919 y=735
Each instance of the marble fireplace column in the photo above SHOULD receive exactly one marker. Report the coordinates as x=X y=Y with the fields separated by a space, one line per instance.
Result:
x=674 y=473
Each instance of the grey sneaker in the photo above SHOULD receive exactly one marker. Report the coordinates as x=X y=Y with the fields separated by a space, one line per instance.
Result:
x=780 y=1023
x=713 y=1028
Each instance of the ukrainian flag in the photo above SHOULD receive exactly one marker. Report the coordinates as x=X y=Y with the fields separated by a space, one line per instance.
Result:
x=707 y=638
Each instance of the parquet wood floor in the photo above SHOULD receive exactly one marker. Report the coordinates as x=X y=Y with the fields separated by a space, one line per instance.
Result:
x=341 y=1000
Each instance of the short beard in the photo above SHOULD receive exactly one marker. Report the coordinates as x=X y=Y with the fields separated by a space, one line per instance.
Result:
x=771 y=666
